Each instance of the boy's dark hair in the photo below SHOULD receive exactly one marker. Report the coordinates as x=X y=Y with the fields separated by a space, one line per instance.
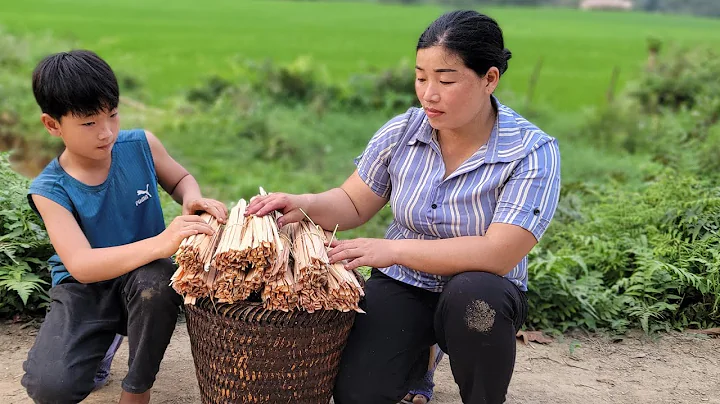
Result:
x=78 y=82
x=476 y=38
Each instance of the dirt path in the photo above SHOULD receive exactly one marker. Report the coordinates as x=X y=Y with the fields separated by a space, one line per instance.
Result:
x=674 y=368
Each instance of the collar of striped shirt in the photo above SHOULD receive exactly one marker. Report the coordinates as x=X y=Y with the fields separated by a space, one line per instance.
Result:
x=505 y=143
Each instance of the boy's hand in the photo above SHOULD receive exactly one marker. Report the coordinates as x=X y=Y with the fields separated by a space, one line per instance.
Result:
x=211 y=206
x=180 y=228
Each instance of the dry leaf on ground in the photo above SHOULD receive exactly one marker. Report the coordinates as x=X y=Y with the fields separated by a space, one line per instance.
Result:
x=533 y=336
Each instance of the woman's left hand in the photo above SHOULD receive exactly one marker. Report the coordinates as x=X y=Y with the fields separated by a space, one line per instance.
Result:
x=211 y=206
x=372 y=252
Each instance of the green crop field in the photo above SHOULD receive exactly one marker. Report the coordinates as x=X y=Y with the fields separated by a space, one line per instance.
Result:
x=173 y=45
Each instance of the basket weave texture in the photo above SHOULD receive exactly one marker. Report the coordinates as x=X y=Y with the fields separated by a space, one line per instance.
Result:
x=246 y=354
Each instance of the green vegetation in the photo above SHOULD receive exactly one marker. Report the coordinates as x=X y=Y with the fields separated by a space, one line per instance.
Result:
x=24 y=248
x=621 y=255
x=636 y=238
x=170 y=46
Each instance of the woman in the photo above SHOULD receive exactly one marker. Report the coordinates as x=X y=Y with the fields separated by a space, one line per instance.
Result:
x=473 y=186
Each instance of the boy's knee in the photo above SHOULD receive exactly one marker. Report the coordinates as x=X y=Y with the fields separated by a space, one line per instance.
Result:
x=156 y=272
x=150 y=285
x=46 y=386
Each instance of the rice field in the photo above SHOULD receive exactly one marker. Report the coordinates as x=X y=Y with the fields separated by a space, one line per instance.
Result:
x=171 y=46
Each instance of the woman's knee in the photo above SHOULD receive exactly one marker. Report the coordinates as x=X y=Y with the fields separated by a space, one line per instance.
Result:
x=481 y=301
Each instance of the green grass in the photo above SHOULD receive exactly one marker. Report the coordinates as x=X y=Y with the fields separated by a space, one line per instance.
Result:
x=173 y=45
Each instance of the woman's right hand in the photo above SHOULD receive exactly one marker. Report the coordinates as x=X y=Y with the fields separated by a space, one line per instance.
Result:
x=181 y=228
x=291 y=206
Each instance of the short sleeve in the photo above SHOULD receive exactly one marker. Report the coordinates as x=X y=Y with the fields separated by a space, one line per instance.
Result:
x=530 y=196
x=49 y=187
x=373 y=163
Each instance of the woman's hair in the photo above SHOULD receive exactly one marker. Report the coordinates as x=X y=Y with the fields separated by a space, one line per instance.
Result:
x=476 y=38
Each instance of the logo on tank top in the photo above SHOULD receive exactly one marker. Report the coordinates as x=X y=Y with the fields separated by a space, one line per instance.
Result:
x=145 y=195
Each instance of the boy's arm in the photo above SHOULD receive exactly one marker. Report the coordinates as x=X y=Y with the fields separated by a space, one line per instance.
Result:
x=178 y=182
x=88 y=265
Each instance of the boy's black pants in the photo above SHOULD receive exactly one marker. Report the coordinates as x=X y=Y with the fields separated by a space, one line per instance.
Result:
x=474 y=320
x=82 y=322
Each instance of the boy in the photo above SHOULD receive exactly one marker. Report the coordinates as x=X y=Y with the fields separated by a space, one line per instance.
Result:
x=100 y=204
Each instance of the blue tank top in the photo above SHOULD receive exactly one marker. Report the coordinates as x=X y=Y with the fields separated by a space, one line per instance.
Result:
x=122 y=210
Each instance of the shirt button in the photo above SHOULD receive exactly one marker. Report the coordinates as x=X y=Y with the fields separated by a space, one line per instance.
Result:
x=536 y=211
x=434 y=206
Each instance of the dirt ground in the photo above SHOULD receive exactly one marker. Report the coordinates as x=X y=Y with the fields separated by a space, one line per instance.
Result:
x=671 y=368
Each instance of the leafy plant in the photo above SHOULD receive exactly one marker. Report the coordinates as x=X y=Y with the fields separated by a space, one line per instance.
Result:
x=24 y=248
x=646 y=258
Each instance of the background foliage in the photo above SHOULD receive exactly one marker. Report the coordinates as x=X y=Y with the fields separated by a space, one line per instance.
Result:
x=635 y=239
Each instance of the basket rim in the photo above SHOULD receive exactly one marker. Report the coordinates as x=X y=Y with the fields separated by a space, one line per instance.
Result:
x=255 y=313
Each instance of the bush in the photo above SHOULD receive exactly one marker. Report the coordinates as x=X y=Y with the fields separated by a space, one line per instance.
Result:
x=679 y=80
x=670 y=114
x=390 y=90
x=302 y=83
x=24 y=248
x=620 y=255
x=647 y=258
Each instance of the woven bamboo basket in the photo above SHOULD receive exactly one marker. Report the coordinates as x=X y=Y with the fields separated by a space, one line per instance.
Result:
x=246 y=354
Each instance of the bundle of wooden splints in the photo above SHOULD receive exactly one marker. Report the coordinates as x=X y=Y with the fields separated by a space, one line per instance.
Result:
x=289 y=267
x=195 y=275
